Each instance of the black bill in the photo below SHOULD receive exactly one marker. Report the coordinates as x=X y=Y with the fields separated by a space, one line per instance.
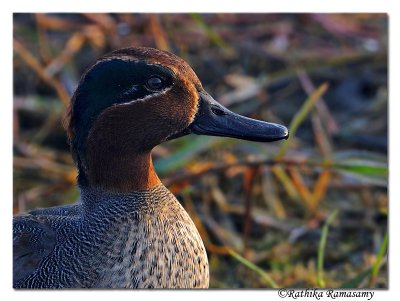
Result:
x=213 y=119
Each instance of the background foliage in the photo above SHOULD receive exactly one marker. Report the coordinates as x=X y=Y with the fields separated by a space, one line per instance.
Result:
x=307 y=212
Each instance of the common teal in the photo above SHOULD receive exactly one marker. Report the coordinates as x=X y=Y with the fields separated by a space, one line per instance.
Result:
x=127 y=230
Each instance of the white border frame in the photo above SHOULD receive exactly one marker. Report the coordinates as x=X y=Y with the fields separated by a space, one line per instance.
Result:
x=279 y=6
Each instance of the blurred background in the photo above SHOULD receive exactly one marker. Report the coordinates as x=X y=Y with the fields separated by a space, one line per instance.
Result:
x=307 y=212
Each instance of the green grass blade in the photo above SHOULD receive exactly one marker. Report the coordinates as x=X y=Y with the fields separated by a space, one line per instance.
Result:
x=321 y=249
x=372 y=271
x=377 y=264
x=300 y=116
x=363 y=167
x=365 y=171
x=211 y=33
x=254 y=268
x=187 y=152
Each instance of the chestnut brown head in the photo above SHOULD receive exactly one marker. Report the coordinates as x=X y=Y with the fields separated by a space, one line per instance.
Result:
x=134 y=99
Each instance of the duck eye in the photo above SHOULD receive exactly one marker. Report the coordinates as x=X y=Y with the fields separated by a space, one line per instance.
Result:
x=154 y=83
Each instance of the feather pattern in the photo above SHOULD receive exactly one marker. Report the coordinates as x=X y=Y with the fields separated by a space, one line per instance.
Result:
x=143 y=239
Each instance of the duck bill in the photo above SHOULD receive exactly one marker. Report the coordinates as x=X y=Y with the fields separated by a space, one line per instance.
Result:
x=213 y=119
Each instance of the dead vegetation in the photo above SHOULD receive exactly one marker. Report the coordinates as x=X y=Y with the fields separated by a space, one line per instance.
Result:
x=307 y=212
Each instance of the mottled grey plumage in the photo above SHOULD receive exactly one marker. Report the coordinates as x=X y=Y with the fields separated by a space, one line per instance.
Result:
x=143 y=239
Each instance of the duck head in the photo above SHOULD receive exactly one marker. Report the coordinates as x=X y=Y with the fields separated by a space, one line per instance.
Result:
x=133 y=99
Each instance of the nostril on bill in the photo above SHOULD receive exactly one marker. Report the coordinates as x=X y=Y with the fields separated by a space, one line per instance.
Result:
x=217 y=111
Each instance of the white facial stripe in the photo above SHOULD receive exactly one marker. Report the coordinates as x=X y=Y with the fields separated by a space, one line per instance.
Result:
x=162 y=92
x=129 y=59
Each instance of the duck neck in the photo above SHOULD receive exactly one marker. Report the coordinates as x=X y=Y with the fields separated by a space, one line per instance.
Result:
x=122 y=173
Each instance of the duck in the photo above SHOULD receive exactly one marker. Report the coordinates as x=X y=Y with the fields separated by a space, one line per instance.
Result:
x=127 y=230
